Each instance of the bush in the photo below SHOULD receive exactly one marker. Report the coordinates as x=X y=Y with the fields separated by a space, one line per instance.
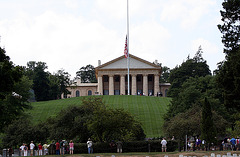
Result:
x=135 y=146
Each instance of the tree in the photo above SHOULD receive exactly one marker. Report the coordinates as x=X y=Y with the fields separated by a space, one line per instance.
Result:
x=64 y=82
x=189 y=123
x=208 y=131
x=230 y=27
x=94 y=119
x=236 y=131
x=22 y=131
x=70 y=123
x=14 y=91
x=195 y=67
x=87 y=74
x=228 y=74
x=165 y=74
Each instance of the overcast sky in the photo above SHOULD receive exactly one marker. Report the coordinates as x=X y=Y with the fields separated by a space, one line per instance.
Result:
x=69 y=34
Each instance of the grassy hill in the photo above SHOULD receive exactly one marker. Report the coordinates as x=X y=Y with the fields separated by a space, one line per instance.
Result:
x=149 y=110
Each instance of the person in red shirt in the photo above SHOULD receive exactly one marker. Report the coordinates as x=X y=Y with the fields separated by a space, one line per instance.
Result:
x=58 y=148
x=39 y=149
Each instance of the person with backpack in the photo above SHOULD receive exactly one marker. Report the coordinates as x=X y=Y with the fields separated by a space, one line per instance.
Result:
x=25 y=150
x=22 y=149
x=89 y=145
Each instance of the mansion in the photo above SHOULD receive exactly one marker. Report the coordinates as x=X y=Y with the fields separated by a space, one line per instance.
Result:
x=113 y=79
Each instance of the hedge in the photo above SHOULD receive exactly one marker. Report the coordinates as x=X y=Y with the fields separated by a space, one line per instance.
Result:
x=136 y=146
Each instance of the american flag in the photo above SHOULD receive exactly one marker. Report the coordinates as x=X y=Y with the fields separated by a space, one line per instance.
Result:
x=126 y=49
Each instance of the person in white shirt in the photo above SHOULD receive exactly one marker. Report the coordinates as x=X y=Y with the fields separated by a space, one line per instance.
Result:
x=89 y=144
x=22 y=149
x=164 y=145
x=31 y=148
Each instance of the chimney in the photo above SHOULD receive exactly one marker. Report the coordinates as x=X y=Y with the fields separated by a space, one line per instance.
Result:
x=99 y=62
x=79 y=81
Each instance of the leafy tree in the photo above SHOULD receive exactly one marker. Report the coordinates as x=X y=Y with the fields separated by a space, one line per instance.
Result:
x=22 y=131
x=189 y=123
x=87 y=74
x=14 y=90
x=230 y=27
x=109 y=124
x=64 y=82
x=208 y=131
x=47 y=86
x=41 y=85
x=195 y=67
x=165 y=74
x=70 y=123
x=236 y=131
x=193 y=91
x=228 y=74
x=41 y=82
x=94 y=119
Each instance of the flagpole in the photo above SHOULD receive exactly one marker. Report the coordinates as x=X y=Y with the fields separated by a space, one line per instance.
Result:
x=128 y=49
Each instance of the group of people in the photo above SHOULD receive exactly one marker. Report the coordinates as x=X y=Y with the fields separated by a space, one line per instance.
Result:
x=231 y=143
x=196 y=144
x=24 y=149
x=60 y=147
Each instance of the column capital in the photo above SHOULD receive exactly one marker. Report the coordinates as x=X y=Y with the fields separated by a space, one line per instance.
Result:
x=110 y=75
x=134 y=75
x=145 y=74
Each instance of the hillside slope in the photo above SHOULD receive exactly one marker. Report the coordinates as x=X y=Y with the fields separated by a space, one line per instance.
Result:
x=149 y=110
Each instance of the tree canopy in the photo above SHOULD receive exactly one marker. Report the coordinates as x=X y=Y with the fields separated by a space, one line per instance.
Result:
x=14 y=90
x=87 y=74
x=228 y=74
x=192 y=67
x=47 y=86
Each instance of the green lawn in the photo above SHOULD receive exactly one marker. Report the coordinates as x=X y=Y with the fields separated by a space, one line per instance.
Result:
x=149 y=110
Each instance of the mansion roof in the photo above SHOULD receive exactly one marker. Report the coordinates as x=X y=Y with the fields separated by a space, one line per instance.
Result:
x=120 y=63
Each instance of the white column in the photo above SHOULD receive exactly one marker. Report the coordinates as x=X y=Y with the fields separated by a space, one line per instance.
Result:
x=122 y=85
x=111 y=85
x=100 y=85
x=134 y=84
x=156 y=84
x=145 y=84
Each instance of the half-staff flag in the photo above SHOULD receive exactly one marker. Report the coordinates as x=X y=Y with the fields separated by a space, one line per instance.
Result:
x=126 y=49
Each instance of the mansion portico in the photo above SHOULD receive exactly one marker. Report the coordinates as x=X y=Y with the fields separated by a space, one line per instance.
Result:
x=113 y=80
x=112 y=77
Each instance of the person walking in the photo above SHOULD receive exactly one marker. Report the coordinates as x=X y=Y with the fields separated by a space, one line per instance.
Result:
x=71 y=145
x=164 y=145
x=90 y=146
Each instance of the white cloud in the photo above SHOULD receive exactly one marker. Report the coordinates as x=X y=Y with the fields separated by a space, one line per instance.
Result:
x=62 y=41
x=70 y=34
x=206 y=45
x=149 y=38
x=188 y=12
x=211 y=52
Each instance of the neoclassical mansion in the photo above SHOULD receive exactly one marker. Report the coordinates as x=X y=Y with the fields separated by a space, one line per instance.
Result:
x=113 y=79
